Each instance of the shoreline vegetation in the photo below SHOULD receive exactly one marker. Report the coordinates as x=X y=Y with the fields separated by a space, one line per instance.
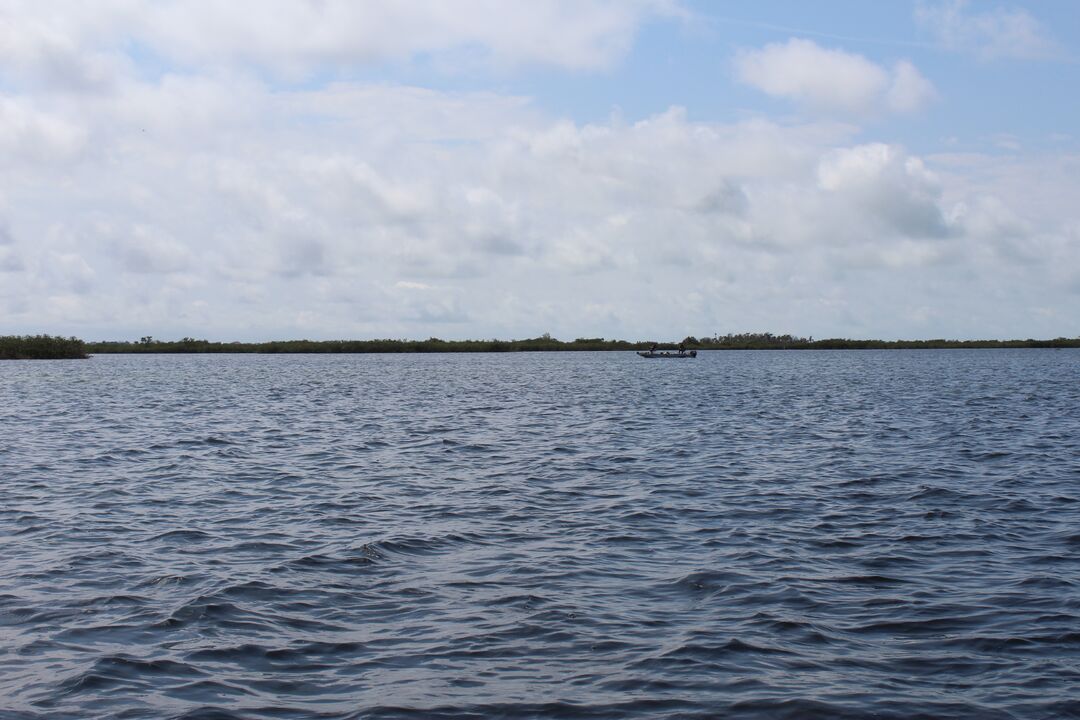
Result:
x=46 y=347
x=743 y=341
x=41 y=347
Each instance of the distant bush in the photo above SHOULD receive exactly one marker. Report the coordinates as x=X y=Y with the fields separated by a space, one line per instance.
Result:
x=41 y=347
x=768 y=341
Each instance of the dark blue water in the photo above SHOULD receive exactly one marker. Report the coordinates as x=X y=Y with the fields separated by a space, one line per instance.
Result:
x=745 y=535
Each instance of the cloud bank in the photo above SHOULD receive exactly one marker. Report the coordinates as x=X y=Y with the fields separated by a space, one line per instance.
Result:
x=208 y=199
x=74 y=45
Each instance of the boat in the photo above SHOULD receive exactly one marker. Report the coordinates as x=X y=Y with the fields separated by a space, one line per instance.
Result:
x=655 y=354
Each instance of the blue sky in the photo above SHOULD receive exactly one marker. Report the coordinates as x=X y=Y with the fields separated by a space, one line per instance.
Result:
x=638 y=169
x=686 y=60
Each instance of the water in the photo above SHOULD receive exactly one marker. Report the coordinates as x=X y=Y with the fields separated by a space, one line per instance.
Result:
x=745 y=535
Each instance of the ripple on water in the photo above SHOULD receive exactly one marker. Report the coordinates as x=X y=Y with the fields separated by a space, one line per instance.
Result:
x=580 y=535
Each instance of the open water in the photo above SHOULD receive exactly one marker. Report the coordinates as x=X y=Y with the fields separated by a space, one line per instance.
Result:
x=745 y=535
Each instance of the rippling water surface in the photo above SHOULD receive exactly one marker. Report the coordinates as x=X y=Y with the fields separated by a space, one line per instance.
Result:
x=800 y=534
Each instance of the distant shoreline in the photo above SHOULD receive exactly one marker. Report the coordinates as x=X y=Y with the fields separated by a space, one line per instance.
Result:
x=762 y=341
x=45 y=347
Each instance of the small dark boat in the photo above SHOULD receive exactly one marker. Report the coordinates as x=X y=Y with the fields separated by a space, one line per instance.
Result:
x=654 y=354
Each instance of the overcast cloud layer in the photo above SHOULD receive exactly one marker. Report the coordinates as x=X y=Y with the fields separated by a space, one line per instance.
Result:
x=276 y=170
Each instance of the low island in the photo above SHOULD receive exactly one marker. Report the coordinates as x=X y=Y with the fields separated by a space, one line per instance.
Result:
x=41 y=347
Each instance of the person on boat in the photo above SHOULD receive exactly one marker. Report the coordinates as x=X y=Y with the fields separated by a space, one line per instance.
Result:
x=653 y=348
x=682 y=348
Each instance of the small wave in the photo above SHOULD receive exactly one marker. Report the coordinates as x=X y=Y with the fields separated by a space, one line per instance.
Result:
x=234 y=653
x=929 y=626
x=1046 y=582
x=319 y=562
x=937 y=493
x=260 y=547
x=734 y=646
x=123 y=670
x=118 y=599
x=168 y=580
x=796 y=709
x=1072 y=540
x=182 y=536
x=208 y=440
x=645 y=707
x=220 y=614
x=419 y=545
x=706 y=581
x=203 y=690
x=327 y=650
x=257 y=590
x=870 y=580
x=989 y=644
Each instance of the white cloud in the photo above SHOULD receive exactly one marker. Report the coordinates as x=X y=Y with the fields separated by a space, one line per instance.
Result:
x=69 y=273
x=49 y=45
x=211 y=202
x=478 y=215
x=992 y=221
x=882 y=190
x=75 y=46
x=1000 y=32
x=34 y=135
x=830 y=80
x=909 y=90
x=143 y=249
x=10 y=259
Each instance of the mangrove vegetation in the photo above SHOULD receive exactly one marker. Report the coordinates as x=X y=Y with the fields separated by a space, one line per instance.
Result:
x=742 y=341
x=41 y=347
x=46 y=347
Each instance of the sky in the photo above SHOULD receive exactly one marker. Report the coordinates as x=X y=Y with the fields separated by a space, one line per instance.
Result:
x=635 y=169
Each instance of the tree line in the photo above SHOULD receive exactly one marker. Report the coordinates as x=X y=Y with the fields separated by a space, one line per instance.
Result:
x=768 y=341
x=52 y=347
x=431 y=345
x=741 y=341
x=41 y=347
